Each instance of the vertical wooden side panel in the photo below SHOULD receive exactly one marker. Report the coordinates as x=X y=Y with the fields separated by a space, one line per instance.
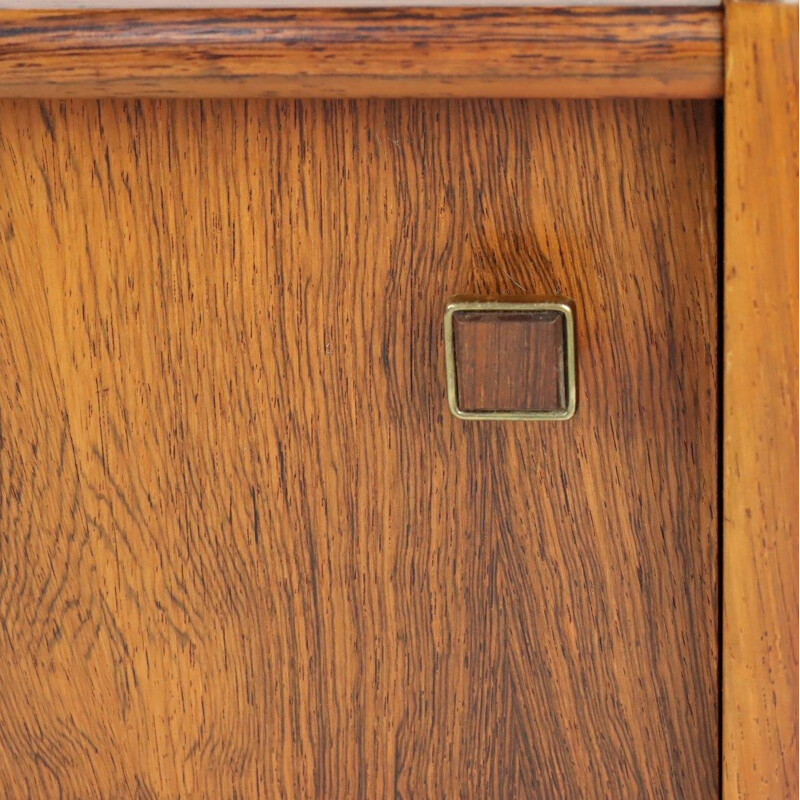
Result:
x=760 y=704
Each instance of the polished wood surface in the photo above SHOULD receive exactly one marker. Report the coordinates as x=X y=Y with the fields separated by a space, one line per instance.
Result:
x=760 y=699
x=217 y=4
x=539 y=52
x=245 y=548
x=510 y=361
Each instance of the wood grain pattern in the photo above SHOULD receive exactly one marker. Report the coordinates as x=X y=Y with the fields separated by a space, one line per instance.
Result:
x=760 y=698
x=510 y=361
x=283 y=4
x=564 y=52
x=246 y=550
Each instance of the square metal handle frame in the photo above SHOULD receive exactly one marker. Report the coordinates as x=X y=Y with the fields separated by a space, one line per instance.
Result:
x=561 y=305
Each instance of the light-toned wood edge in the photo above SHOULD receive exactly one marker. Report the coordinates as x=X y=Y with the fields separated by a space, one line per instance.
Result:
x=411 y=52
x=49 y=5
x=760 y=450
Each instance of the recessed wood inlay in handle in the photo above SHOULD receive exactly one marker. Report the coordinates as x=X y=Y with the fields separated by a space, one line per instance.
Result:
x=510 y=360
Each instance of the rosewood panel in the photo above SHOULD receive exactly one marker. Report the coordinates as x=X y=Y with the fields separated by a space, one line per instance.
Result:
x=244 y=547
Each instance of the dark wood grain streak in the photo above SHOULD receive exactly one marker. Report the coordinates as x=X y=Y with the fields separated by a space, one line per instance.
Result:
x=245 y=550
x=422 y=52
x=510 y=361
x=760 y=534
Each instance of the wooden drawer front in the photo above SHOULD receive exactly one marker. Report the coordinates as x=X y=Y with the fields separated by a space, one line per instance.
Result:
x=245 y=548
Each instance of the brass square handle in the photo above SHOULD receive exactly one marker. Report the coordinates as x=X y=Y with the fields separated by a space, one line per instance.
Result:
x=510 y=358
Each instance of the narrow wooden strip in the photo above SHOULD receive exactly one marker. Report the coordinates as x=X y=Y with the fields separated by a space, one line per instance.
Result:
x=534 y=52
x=173 y=4
x=760 y=701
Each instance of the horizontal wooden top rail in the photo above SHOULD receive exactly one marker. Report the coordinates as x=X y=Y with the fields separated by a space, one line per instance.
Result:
x=579 y=51
x=108 y=4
